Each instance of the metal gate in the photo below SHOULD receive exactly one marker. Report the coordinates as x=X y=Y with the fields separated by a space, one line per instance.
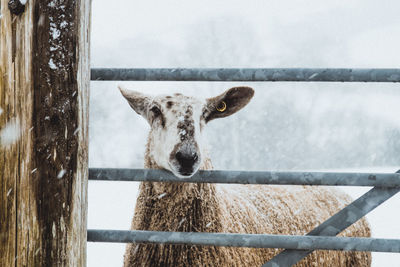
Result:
x=296 y=247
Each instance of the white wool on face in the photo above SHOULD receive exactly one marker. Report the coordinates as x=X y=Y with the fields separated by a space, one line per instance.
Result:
x=199 y=135
x=165 y=140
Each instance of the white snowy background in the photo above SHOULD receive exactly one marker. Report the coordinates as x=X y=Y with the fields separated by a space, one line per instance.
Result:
x=287 y=126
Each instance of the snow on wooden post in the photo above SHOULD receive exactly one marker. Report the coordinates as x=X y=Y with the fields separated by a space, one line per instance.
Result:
x=44 y=89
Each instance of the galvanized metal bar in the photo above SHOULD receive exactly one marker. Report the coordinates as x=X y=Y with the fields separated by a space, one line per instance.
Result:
x=337 y=223
x=251 y=177
x=246 y=240
x=246 y=74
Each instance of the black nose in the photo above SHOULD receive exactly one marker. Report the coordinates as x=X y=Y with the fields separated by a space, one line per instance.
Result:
x=186 y=160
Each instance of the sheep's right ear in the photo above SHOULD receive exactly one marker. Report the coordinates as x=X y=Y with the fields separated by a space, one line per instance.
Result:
x=138 y=101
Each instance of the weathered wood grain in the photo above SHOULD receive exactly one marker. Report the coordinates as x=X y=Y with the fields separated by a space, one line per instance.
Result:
x=44 y=90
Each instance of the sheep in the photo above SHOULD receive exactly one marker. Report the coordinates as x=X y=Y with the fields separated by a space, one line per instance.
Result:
x=176 y=143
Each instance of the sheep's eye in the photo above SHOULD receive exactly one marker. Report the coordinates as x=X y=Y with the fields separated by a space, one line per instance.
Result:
x=156 y=111
x=221 y=107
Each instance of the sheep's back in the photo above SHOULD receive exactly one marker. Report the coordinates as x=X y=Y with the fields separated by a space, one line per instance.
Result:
x=287 y=210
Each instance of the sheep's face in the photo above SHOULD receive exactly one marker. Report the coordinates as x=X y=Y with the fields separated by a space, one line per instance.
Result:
x=177 y=123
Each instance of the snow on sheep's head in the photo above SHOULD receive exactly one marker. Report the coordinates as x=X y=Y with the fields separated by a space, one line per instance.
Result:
x=177 y=124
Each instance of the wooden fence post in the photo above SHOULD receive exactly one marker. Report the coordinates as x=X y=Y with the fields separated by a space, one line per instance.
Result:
x=44 y=90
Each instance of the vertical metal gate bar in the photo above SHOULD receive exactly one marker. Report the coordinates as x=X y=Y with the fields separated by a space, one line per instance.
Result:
x=337 y=223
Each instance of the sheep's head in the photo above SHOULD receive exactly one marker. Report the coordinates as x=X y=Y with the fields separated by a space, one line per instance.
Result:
x=177 y=124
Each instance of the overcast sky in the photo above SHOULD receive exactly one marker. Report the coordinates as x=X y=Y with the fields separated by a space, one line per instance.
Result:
x=287 y=33
x=257 y=33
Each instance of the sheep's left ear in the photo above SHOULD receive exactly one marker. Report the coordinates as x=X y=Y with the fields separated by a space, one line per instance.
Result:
x=227 y=103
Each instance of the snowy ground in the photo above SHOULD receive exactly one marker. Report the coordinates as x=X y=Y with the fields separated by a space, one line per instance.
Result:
x=287 y=126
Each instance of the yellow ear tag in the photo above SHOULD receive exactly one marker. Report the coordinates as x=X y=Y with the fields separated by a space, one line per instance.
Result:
x=221 y=106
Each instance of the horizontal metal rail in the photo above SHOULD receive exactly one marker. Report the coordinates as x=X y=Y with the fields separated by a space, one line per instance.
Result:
x=246 y=74
x=246 y=240
x=251 y=177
